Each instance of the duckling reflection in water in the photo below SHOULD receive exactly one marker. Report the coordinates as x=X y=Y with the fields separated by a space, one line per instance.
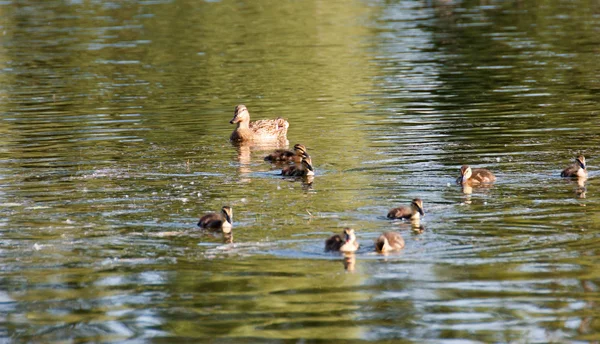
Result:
x=262 y=130
x=389 y=241
x=576 y=170
x=228 y=237
x=284 y=155
x=216 y=221
x=475 y=176
x=349 y=262
x=345 y=243
x=301 y=169
x=412 y=212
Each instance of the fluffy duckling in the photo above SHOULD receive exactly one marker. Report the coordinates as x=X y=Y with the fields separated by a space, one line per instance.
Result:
x=414 y=211
x=347 y=243
x=300 y=169
x=389 y=241
x=284 y=155
x=218 y=221
x=470 y=175
x=577 y=169
x=263 y=130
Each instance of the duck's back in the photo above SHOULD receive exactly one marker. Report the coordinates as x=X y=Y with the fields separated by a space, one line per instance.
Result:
x=334 y=243
x=211 y=221
x=573 y=171
x=482 y=175
x=270 y=128
x=394 y=240
x=280 y=155
x=402 y=212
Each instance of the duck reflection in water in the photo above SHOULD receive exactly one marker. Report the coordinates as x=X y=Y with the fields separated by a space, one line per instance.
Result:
x=349 y=262
x=244 y=155
x=228 y=237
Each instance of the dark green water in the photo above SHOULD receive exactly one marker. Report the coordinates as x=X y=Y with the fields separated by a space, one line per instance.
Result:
x=114 y=140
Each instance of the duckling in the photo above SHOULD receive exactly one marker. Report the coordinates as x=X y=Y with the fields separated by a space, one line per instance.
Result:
x=283 y=155
x=413 y=212
x=576 y=170
x=475 y=175
x=300 y=169
x=346 y=244
x=389 y=241
x=263 y=130
x=218 y=221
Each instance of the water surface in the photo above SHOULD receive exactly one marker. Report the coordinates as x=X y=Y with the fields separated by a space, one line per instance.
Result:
x=114 y=120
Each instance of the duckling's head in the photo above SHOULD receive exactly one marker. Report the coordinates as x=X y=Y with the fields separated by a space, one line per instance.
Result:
x=581 y=161
x=349 y=235
x=300 y=149
x=417 y=204
x=227 y=213
x=465 y=172
x=239 y=114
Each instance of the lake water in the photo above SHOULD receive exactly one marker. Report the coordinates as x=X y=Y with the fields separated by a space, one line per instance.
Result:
x=114 y=121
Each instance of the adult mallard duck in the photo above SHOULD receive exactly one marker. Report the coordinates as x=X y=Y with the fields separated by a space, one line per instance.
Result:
x=300 y=168
x=470 y=175
x=389 y=241
x=576 y=169
x=345 y=243
x=284 y=155
x=263 y=130
x=216 y=221
x=414 y=211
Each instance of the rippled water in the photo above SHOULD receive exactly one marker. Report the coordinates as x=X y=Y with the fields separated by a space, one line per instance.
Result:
x=114 y=120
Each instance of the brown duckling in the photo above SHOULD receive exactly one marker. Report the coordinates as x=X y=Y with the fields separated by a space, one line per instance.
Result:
x=414 y=211
x=345 y=243
x=284 y=155
x=470 y=175
x=576 y=169
x=263 y=130
x=218 y=221
x=389 y=241
x=300 y=169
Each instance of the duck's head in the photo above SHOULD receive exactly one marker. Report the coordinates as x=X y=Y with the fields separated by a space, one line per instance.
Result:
x=300 y=149
x=349 y=235
x=227 y=213
x=581 y=161
x=239 y=114
x=417 y=204
x=465 y=172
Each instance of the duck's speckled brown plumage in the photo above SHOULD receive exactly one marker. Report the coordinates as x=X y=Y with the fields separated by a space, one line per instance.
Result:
x=343 y=243
x=414 y=211
x=262 y=130
x=214 y=221
x=576 y=170
x=389 y=241
x=475 y=175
